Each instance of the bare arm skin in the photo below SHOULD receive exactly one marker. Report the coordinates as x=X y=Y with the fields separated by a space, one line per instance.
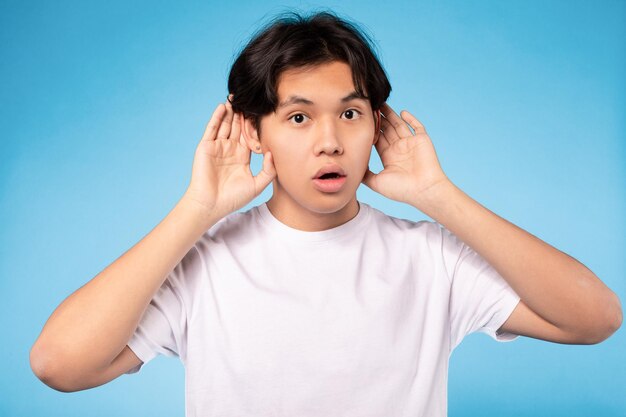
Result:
x=562 y=301
x=92 y=326
x=84 y=342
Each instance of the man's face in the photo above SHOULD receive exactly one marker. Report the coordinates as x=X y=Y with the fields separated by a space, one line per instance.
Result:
x=306 y=137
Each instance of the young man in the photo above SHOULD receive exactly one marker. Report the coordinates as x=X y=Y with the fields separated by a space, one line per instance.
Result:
x=313 y=303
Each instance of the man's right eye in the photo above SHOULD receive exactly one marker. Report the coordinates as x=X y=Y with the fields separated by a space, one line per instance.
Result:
x=298 y=118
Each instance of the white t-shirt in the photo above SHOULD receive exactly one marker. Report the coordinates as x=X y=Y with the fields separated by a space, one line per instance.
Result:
x=358 y=320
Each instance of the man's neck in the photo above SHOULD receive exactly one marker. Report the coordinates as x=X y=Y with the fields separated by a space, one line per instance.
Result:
x=294 y=215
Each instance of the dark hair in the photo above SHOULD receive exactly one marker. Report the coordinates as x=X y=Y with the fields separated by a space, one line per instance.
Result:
x=292 y=41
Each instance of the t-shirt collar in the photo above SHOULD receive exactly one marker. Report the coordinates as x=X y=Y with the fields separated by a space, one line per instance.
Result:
x=348 y=228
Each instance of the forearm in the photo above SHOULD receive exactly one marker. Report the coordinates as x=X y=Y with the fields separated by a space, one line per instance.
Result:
x=554 y=285
x=93 y=324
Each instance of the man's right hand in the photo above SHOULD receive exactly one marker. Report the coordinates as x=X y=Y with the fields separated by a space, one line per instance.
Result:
x=221 y=179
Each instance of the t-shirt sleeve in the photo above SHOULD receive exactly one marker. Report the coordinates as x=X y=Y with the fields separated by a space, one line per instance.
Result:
x=480 y=299
x=162 y=329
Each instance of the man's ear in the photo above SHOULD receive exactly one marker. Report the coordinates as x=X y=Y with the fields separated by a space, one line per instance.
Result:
x=377 y=126
x=251 y=135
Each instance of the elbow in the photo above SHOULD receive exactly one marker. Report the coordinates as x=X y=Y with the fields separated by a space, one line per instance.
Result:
x=609 y=323
x=616 y=316
x=46 y=369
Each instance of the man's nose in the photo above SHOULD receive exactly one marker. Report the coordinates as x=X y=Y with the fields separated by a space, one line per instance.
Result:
x=327 y=140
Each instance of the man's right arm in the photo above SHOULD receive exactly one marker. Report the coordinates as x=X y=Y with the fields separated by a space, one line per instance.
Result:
x=83 y=343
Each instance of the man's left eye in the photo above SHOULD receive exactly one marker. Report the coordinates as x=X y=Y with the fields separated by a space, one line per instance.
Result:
x=352 y=114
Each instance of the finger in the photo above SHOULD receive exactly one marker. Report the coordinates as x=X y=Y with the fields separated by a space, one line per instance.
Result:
x=382 y=143
x=210 y=133
x=242 y=136
x=225 y=126
x=389 y=131
x=242 y=140
x=417 y=126
x=369 y=178
x=398 y=124
x=266 y=175
x=235 y=132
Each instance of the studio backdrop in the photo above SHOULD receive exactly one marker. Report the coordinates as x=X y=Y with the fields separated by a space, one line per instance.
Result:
x=103 y=105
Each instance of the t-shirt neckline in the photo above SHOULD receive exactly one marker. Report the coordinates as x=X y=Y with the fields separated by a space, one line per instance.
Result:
x=286 y=232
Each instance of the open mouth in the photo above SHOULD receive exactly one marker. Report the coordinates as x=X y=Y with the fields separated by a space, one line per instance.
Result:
x=331 y=182
x=330 y=175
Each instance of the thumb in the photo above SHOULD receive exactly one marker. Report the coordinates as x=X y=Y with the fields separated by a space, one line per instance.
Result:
x=267 y=174
x=369 y=179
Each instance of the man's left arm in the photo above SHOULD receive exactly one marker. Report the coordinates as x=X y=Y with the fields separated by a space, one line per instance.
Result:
x=561 y=300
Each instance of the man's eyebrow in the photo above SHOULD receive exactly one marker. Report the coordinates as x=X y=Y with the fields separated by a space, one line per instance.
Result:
x=301 y=100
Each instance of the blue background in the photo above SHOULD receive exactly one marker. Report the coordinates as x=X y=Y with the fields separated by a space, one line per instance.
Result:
x=103 y=106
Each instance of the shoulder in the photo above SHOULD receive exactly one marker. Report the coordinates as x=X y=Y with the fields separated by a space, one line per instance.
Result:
x=421 y=236
x=432 y=249
x=213 y=243
x=425 y=229
x=234 y=226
